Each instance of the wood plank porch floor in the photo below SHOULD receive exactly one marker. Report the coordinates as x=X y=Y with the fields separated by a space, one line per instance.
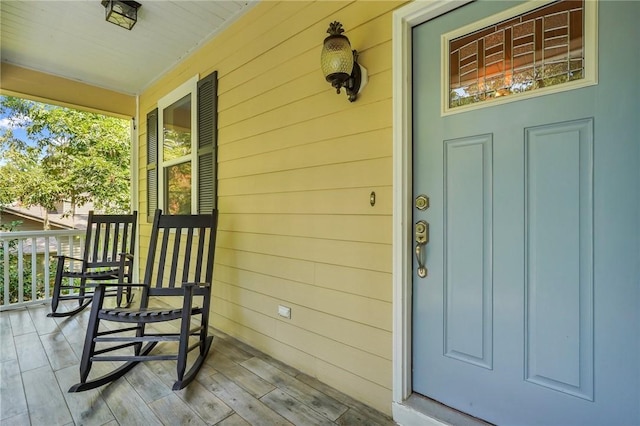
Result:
x=238 y=385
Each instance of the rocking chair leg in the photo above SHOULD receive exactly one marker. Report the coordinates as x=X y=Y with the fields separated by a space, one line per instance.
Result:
x=69 y=313
x=119 y=297
x=139 y=333
x=81 y=290
x=92 y=329
x=129 y=297
x=193 y=371
x=115 y=374
x=57 y=284
x=183 y=345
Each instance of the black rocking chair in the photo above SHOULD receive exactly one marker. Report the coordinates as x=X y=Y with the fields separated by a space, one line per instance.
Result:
x=107 y=256
x=179 y=269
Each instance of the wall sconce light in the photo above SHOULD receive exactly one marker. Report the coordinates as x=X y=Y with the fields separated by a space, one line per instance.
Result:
x=122 y=13
x=340 y=64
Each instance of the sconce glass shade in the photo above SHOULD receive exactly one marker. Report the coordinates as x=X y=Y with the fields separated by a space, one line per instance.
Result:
x=340 y=64
x=336 y=59
x=122 y=13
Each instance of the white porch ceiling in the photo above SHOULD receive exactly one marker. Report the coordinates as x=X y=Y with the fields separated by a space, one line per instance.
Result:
x=71 y=39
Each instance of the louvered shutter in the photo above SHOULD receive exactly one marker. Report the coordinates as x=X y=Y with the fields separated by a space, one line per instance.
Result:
x=152 y=164
x=207 y=142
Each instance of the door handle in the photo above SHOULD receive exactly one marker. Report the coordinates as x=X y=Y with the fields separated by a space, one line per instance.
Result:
x=422 y=238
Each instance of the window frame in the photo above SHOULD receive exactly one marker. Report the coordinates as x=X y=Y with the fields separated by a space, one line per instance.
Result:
x=189 y=87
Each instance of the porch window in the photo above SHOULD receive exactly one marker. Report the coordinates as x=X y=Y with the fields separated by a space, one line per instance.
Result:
x=176 y=159
x=181 y=149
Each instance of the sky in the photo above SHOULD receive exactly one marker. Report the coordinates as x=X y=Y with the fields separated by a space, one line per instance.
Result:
x=5 y=123
x=18 y=132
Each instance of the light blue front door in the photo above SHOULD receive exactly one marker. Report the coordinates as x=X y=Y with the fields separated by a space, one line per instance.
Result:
x=530 y=310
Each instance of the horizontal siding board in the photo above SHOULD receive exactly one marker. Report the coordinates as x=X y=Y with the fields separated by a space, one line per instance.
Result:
x=263 y=94
x=347 y=332
x=285 y=268
x=374 y=368
x=308 y=28
x=297 y=67
x=319 y=105
x=376 y=257
x=360 y=228
x=261 y=341
x=345 y=357
x=361 y=146
x=361 y=309
x=358 y=174
x=369 y=117
x=372 y=284
x=336 y=201
x=304 y=79
x=287 y=38
x=363 y=282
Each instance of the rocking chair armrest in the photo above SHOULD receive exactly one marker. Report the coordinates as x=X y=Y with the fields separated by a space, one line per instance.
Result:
x=124 y=259
x=100 y=284
x=64 y=257
x=125 y=262
x=201 y=285
x=196 y=289
x=127 y=256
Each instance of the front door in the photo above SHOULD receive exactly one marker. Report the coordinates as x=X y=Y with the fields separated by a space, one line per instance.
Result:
x=529 y=310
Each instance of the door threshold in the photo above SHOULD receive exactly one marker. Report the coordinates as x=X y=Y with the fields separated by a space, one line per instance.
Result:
x=441 y=412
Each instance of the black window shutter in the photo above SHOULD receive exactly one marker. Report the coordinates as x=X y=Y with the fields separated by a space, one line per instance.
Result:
x=207 y=142
x=152 y=163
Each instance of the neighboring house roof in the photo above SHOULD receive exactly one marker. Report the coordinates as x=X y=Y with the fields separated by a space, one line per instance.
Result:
x=37 y=213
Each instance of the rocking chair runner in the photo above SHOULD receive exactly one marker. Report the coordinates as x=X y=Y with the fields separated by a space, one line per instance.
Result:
x=108 y=240
x=179 y=264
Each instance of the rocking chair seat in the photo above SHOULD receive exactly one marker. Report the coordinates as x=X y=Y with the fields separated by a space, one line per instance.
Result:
x=144 y=315
x=109 y=274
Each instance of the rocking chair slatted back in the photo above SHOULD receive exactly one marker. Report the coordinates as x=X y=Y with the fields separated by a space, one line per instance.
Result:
x=179 y=252
x=107 y=255
x=107 y=236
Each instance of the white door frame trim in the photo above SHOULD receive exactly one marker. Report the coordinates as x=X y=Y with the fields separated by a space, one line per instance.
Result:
x=404 y=19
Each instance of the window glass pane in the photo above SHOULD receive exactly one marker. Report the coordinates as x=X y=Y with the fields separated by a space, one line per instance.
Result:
x=177 y=129
x=178 y=188
x=540 y=48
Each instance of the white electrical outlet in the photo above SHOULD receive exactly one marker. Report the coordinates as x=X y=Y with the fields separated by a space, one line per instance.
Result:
x=284 y=311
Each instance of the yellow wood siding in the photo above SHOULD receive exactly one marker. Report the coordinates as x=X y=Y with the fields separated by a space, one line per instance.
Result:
x=296 y=166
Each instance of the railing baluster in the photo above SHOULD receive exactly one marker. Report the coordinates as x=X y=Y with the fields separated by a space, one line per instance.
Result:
x=72 y=264
x=59 y=246
x=7 y=283
x=20 y=271
x=34 y=270
x=47 y=262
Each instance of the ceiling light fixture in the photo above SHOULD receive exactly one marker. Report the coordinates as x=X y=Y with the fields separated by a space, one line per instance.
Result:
x=122 y=13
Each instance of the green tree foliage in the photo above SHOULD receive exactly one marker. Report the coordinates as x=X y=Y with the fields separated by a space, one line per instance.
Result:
x=69 y=155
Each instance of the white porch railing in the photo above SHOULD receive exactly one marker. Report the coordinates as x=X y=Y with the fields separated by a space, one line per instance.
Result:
x=28 y=264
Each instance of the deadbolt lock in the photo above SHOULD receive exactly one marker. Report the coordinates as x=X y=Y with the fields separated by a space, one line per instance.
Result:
x=422 y=202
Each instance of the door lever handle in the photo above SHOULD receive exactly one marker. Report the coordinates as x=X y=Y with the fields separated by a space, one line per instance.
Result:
x=422 y=270
x=422 y=238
